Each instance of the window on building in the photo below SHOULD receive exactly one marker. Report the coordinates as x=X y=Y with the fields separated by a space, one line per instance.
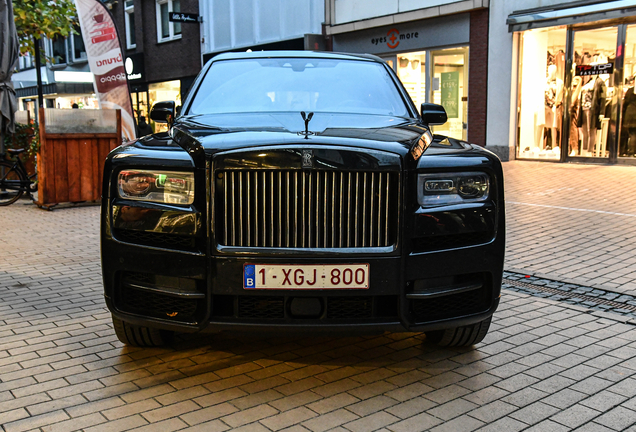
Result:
x=167 y=30
x=25 y=62
x=130 y=24
x=58 y=50
x=78 y=50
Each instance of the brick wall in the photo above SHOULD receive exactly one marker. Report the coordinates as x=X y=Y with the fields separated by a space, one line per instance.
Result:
x=478 y=76
x=164 y=61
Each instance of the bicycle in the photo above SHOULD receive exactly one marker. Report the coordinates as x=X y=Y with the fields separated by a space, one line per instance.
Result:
x=14 y=179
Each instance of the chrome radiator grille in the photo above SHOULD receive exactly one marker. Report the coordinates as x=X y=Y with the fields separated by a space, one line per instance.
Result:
x=306 y=209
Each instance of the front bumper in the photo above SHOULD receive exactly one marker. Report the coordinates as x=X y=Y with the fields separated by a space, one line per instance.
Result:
x=167 y=271
x=190 y=292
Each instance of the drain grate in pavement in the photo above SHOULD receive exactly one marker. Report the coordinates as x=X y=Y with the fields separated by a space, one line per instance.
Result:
x=566 y=294
x=592 y=298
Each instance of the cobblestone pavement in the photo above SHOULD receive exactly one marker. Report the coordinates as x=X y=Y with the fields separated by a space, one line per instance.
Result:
x=549 y=363
x=572 y=223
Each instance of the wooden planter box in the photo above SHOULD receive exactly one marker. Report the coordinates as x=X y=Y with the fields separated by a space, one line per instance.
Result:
x=70 y=165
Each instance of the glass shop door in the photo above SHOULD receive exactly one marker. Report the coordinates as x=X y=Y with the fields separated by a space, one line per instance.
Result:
x=594 y=90
x=627 y=131
x=449 y=78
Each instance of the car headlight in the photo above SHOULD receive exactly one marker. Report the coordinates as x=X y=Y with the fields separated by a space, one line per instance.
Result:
x=170 y=187
x=452 y=188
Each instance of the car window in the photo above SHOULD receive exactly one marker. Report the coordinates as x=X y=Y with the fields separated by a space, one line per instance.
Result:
x=293 y=84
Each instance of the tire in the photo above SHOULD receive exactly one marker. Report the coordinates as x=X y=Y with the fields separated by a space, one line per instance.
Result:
x=10 y=193
x=460 y=336
x=140 y=336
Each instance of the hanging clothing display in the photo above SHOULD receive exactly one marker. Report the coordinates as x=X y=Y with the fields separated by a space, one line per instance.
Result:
x=628 y=129
x=575 y=109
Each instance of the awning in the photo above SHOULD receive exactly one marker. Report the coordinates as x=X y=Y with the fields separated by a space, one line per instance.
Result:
x=570 y=13
x=56 y=88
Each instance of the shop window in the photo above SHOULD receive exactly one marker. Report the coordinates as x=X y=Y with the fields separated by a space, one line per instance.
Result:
x=130 y=24
x=411 y=69
x=541 y=94
x=140 y=105
x=450 y=89
x=627 y=137
x=165 y=91
x=167 y=30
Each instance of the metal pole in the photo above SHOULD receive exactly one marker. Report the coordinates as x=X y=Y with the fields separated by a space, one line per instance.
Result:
x=2 y=145
x=38 y=72
x=2 y=137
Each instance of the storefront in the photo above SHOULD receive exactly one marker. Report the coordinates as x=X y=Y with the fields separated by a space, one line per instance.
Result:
x=144 y=95
x=575 y=95
x=57 y=95
x=431 y=58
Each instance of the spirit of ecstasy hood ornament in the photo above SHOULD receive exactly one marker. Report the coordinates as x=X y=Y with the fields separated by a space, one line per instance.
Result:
x=307 y=119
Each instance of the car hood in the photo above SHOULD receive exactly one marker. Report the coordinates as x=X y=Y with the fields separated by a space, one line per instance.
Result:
x=221 y=132
x=204 y=136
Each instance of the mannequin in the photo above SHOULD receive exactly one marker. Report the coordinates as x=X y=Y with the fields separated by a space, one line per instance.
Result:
x=628 y=127
x=592 y=105
x=577 y=82
x=553 y=106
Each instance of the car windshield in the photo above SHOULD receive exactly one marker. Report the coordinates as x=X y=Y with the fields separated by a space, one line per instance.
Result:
x=298 y=84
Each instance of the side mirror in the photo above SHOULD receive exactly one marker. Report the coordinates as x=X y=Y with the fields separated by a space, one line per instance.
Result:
x=433 y=114
x=163 y=112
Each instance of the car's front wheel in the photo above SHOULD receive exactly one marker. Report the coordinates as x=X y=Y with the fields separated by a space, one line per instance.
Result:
x=140 y=336
x=460 y=336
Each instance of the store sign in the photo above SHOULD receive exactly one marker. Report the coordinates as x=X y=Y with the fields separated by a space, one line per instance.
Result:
x=393 y=38
x=420 y=35
x=598 y=69
x=183 y=17
x=450 y=93
x=135 y=66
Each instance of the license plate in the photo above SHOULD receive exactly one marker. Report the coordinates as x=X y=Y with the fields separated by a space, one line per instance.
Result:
x=307 y=277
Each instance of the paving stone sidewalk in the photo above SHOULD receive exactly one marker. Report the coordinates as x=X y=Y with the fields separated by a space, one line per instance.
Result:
x=546 y=365
x=572 y=223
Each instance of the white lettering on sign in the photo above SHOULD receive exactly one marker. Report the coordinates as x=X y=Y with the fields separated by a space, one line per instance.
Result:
x=108 y=61
x=108 y=78
x=182 y=17
x=598 y=69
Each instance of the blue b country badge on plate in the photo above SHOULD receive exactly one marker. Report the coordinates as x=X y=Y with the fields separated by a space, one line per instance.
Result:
x=249 y=274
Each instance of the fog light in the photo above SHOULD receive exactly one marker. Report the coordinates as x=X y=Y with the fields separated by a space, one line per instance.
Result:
x=438 y=185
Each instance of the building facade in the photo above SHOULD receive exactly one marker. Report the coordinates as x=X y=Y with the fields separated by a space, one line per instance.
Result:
x=437 y=47
x=561 y=82
x=66 y=77
x=162 y=57
x=239 y=25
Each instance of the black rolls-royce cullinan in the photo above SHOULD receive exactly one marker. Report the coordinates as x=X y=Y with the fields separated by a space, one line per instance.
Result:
x=301 y=191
